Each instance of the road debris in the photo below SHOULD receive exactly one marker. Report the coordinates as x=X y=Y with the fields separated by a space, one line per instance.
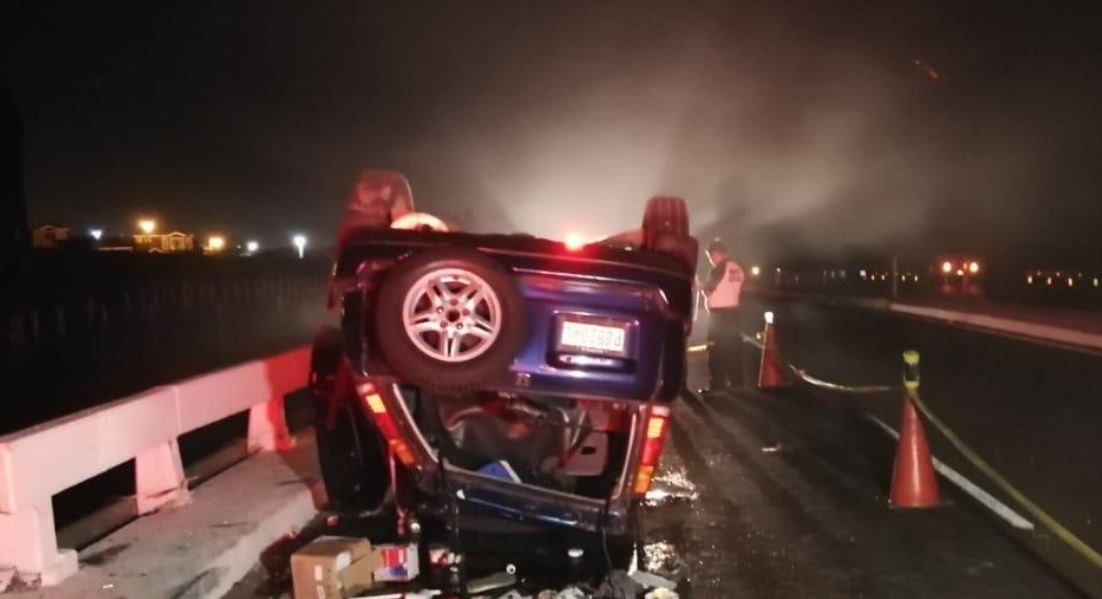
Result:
x=497 y=581
x=618 y=585
x=651 y=581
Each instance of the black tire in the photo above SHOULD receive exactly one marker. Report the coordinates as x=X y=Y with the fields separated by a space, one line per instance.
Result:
x=415 y=366
x=351 y=452
x=664 y=214
x=666 y=229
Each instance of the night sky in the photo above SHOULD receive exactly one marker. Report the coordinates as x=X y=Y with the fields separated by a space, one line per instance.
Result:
x=821 y=126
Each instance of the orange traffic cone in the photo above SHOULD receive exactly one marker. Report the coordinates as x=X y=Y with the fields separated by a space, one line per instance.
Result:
x=914 y=484
x=770 y=373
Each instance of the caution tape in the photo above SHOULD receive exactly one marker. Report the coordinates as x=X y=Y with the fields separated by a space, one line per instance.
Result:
x=753 y=340
x=1057 y=529
x=803 y=375
x=858 y=389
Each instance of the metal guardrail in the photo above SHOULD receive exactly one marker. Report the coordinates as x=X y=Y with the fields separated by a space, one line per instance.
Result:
x=37 y=463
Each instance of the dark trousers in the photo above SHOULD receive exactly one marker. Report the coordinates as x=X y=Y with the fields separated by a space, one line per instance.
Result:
x=725 y=354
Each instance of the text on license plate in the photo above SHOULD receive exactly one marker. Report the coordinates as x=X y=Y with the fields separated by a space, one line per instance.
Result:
x=585 y=335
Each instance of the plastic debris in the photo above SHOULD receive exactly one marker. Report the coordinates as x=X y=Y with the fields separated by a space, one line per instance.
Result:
x=651 y=581
x=6 y=576
x=500 y=469
x=492 y=582
x=572 y=593
x=618 y=585
x=661 y=593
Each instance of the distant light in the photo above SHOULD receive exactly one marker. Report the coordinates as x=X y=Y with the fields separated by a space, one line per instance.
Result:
x=778 y=269
x=863 y=273
x=96 y=233
x=1029 y=280
x=1096 y=281
x=216 y=243
x=916 y=278
x=574 y=241
x=755 y=271
x=973 y=267
x=252 y=247
x=147 y=225
x=960 y=273
x=946 y=267
x=300 y=243
x=768 y=318
x=1071 y=282
x=1048 y=281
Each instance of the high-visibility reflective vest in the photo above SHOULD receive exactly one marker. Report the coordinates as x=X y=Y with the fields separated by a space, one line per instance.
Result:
x=728 y=289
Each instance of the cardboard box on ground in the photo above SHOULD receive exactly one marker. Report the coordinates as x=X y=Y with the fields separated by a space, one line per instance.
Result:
x=339 y=567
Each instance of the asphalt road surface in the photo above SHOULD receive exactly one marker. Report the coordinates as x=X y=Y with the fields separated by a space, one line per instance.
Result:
x=1029 y=409
x=784 y=495
x=787 y=498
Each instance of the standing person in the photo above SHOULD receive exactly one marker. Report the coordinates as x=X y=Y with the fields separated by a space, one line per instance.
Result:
x=722 y=291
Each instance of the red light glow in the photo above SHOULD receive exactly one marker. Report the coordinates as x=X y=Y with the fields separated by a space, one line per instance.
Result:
x=574 y=242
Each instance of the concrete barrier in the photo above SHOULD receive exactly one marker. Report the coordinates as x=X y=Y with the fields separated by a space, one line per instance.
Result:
x=1062 y=335
x=1021 y=328
x=37 y=463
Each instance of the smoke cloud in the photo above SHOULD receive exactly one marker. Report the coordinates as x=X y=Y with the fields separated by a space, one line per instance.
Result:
x=789 y=127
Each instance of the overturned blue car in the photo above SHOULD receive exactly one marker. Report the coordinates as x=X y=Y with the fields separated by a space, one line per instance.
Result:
x=499 y=375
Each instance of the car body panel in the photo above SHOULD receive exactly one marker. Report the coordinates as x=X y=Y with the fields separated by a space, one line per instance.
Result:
x=649 y=291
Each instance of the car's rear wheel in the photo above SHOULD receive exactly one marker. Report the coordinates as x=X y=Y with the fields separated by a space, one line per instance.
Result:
x=350 y=450
x=449 y=320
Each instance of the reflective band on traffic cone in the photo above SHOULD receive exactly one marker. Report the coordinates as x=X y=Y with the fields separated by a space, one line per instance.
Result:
x=914 y=484
x=770 y=373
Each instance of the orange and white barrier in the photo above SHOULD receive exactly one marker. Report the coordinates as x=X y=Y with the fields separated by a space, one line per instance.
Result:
x=38 y=463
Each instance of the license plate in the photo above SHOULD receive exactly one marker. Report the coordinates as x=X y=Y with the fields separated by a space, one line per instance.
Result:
x=588 y=336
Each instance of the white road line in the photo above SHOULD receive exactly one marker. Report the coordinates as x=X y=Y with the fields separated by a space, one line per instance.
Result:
x=990 y=502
